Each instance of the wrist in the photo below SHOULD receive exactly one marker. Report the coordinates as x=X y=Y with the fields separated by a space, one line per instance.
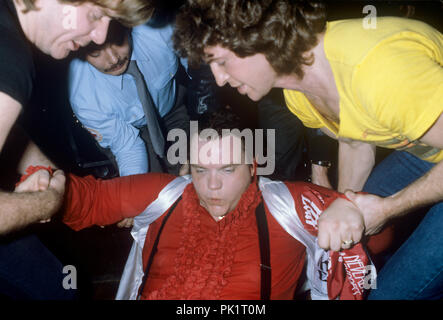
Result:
x=321 y=163
x=54 y=200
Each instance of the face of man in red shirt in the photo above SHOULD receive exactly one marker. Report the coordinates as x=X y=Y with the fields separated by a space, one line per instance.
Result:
x=219 y=177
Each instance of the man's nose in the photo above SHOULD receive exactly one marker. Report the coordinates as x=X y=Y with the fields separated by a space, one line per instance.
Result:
x=221 y=77
x=112 y=55
x=214 y=182
x=98 y=34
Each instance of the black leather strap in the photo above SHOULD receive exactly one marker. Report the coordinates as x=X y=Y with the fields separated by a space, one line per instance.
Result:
x=265 y=253
x=154 y=246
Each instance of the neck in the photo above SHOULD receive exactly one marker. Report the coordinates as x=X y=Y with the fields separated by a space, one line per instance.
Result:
x=318 y=81
x=26 y=20
x=313 y=81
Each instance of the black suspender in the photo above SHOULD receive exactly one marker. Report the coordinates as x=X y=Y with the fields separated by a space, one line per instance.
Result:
x=265 y=253
x=265 y=256
x=154 y=247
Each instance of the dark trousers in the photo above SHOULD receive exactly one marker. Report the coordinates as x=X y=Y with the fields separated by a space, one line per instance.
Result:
x=29 y=271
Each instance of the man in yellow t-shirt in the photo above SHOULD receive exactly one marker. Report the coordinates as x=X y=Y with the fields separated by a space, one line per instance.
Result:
x=364 y=87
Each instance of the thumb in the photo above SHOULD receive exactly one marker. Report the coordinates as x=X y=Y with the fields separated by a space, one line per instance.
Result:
x=43 y=182
x=351 y=195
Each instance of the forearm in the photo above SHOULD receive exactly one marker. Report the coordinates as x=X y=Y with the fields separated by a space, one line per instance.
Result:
x=18 y=210
x=133 y=160
x=33 y=157
x=91 y=201
x=319 y=176
x=355 y=162
x=22 y=152
x=424 y=191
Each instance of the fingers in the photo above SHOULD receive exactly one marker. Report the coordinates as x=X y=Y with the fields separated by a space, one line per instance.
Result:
x=346 y=244
x=121 y=224
x=184 y=169
x=337 y=240
x=57 y=181
x=352 y=196
x=323 y=238
x=126 y=223
x=38 y=181
x=340 y=226
x=43 y=180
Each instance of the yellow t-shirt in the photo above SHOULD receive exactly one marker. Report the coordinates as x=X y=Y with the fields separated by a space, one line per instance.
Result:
x=390 y=83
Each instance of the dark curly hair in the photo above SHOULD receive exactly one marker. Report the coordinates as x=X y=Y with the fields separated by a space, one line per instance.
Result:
x=282 y=30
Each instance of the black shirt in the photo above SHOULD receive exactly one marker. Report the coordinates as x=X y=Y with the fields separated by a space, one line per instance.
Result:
x=17 y=70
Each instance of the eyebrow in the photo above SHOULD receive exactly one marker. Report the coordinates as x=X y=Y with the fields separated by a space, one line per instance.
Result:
x=223 y=167
x=209 y=58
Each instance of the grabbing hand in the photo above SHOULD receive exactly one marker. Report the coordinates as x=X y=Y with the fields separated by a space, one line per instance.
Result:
x=41 y=181
x=372 y=208
x=38 y=181
x=340 y=226
x=57 y=187
x=184 y=169
x=126 y=223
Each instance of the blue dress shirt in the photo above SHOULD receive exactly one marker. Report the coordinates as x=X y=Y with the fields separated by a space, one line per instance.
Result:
x=109 y=107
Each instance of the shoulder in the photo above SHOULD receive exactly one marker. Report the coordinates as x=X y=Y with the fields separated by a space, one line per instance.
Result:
x=80 y=77
x=153 y=42
x=403 y=71
x=145 y=32
x=349 y=41
x=311 y=195
x=87 y=89
x=16 y=64
x=142 y=188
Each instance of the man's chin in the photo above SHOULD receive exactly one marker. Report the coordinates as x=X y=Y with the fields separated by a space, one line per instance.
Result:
x=255 y=96
x=217 y=212
x=59 y=54
x=118 y=71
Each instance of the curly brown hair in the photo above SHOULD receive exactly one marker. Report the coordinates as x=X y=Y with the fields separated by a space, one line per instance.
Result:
x=282 y=30
x=128 y=12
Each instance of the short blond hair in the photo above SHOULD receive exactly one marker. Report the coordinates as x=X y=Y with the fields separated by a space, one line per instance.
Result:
x=130 y=13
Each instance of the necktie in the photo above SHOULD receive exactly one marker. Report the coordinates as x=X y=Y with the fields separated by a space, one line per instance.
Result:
x=155 y=132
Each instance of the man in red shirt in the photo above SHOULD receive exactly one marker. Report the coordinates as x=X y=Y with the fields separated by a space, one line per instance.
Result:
x=219 y=233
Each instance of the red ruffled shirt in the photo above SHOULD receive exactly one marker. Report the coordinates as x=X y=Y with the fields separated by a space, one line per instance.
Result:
x=197 y=257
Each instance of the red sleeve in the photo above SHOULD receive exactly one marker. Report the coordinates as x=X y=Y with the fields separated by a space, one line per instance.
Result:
x=91 y=201
x=311 y=200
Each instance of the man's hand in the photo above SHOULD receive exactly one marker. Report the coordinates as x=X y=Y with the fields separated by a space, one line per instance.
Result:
x=184 y=169
x=41 y=180
x=340 y=226
x=38 y=181
x=126 y=223
x=373 y=209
